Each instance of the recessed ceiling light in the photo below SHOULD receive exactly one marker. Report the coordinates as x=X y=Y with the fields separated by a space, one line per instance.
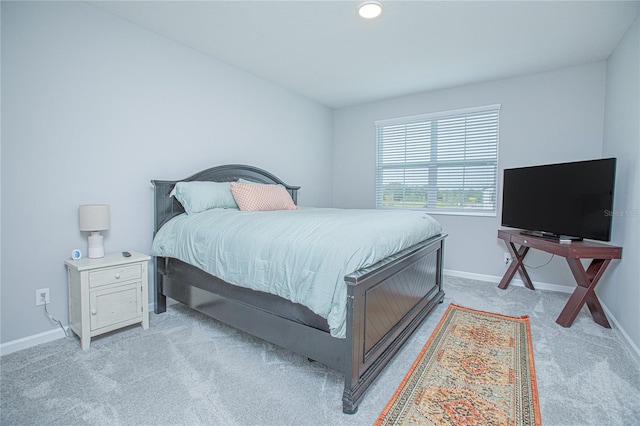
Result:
x=370 y=9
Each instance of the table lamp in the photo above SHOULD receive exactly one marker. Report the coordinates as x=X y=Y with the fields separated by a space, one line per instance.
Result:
x=94 y=218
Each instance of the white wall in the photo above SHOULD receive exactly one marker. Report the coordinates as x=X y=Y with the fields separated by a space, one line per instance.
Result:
x=544 y=118
x=621 y=292
x=93 y=108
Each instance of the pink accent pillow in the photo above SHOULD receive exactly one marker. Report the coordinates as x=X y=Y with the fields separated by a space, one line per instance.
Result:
x=258 y=197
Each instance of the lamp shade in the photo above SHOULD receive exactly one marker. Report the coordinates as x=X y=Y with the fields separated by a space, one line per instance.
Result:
x=94 y=217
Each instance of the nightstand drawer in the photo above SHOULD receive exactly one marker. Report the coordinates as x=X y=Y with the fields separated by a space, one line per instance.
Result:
x=114 y=275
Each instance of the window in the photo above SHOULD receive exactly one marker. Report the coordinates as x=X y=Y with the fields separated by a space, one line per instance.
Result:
x=444 y=162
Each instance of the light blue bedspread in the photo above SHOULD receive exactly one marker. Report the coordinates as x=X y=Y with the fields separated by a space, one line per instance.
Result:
x=300 y=255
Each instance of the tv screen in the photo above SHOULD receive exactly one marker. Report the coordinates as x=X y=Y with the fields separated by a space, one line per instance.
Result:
x=561 y=200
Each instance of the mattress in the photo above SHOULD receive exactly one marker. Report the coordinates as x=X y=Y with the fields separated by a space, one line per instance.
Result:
x=299 y=255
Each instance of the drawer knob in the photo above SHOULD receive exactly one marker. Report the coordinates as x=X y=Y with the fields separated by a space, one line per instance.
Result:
x=117 y=276
x=93 y=312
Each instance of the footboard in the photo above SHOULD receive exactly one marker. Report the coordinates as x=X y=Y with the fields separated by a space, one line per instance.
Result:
x=386 y=303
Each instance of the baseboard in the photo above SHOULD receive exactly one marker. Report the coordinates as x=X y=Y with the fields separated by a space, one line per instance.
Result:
x=633 y=348
x=30 y=341
x=57 y=333
x=45 y=337
x=515 y=281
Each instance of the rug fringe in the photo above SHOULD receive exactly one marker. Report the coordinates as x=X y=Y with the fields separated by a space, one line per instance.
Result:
x=493 y=314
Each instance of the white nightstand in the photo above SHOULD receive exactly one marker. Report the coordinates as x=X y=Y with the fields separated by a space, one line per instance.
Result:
x=106 y=294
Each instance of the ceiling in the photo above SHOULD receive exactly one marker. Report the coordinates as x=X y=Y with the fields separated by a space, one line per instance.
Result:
x=326 y=52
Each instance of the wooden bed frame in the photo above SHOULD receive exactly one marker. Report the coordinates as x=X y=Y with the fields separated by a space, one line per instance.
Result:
x=386 y=302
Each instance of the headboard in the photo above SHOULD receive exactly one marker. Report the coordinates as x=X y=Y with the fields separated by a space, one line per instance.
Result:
x=166 y=207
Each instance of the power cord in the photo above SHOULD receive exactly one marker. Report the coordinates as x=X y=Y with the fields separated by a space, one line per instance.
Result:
x=537 y=267
x=54 y=320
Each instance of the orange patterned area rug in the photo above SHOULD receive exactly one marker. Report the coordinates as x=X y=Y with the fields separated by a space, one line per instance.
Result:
x=476 y=369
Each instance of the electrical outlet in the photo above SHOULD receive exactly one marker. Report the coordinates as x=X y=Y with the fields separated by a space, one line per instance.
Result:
x=42 y=296
x=507 y=258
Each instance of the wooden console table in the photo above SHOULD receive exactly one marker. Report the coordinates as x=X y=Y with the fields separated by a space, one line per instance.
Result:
x=601 y=255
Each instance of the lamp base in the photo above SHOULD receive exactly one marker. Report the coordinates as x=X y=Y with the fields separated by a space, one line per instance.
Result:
x=96 y=247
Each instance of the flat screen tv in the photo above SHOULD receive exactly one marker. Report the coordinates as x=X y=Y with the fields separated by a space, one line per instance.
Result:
x=565 y=200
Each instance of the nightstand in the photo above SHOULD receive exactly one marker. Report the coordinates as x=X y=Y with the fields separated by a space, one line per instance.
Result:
x=106 y=294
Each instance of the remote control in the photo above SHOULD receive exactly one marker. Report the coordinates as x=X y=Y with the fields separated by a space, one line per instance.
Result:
x=126 y=254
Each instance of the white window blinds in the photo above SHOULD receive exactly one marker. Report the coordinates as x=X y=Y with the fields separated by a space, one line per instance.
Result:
x=443 y=162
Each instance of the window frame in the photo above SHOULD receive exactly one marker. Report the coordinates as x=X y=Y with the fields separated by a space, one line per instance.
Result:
x=432 y=164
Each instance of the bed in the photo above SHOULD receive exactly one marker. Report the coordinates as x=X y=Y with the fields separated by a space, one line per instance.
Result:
x=385 y=302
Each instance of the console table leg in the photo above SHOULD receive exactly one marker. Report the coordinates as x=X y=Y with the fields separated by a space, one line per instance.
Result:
x=584 y=292
x=597 y=312
x=517 y=264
